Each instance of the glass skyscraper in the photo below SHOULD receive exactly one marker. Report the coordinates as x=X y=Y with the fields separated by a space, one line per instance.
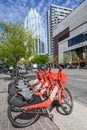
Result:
x=33 y=23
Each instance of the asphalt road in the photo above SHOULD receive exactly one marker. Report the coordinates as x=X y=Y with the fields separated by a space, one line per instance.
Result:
x=77 y=84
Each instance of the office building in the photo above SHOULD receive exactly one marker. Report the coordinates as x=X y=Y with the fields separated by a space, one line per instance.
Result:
x=71 y=36
x=33 y=23
x=54 y=16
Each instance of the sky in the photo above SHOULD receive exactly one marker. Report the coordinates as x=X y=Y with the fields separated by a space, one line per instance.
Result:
x=16 y=10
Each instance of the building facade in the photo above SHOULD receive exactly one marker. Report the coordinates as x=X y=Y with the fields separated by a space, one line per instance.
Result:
x=33 y=23
x=54 y=16
x=71 y=36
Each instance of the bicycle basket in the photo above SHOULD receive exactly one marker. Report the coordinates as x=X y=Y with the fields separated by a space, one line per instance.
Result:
x=52 y=76
x=62 y=77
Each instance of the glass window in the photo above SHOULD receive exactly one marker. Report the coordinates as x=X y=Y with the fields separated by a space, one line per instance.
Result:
x=78 y=39
x=85 y=37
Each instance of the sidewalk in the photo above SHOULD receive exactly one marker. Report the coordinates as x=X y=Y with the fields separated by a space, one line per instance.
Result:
x=77 y=120
x=43 y=123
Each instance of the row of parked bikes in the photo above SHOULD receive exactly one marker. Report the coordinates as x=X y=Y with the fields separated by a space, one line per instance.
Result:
x=26 y=101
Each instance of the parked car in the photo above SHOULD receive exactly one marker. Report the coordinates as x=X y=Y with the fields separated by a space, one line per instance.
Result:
x=8 y=69
x=29 y=67
x=43 y=66
x=22 y=69
x=34 y=66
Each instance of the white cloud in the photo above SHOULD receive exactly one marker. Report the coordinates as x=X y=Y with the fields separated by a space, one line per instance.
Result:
x=72 y=4
x=32 y=2
x=13 y=10
x=67 y=3
x=38 y=8
x=78 y=1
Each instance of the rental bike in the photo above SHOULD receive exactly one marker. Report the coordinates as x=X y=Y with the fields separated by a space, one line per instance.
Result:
x=30 y=110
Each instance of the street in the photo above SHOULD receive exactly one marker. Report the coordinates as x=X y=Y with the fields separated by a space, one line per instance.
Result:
x=77 y=84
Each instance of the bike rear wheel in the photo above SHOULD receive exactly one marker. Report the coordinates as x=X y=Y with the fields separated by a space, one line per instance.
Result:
x=23 y=118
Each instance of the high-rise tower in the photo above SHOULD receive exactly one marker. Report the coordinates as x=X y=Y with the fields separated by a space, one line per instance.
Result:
x=33 y=23
x=54 y=16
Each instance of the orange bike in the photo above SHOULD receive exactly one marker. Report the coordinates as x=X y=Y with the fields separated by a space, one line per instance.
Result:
x=53 y=89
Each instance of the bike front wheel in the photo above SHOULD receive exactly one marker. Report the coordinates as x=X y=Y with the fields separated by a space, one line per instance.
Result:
x=23 y=118
x=67 y=102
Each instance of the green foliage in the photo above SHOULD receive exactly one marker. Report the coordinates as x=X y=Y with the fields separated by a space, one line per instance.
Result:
x=24 y=61
x=66 y=58
x=30 y=42
x=40 y=59
x=74 y=55
x=2 y=54
x=86 y=54
x=16 y=43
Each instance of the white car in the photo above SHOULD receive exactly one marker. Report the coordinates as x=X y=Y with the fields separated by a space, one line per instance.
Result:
x=34 y=66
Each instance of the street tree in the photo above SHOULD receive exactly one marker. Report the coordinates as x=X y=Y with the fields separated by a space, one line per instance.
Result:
x=16 y=42
x=40 y=59
x=86 y=57
x=86 y=54
x=74 y=56
x=66 y=58
x=2 y=54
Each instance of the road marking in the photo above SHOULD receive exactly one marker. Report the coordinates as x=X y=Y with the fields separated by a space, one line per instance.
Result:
x=84 y=80
x=76 y=74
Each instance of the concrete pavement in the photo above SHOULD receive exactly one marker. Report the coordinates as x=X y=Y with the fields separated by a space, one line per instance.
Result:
x=77 y=120
x=43 y=123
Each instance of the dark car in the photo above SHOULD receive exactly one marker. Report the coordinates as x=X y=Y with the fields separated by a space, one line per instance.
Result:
x=8 y=69
x=29 y=67
x=42 y=66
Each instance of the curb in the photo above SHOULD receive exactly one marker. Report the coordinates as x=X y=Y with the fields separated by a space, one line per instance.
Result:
x=57 y=125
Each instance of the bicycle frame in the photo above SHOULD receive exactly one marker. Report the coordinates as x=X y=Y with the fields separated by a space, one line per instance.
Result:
x=56 y=91
x=44 y=103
